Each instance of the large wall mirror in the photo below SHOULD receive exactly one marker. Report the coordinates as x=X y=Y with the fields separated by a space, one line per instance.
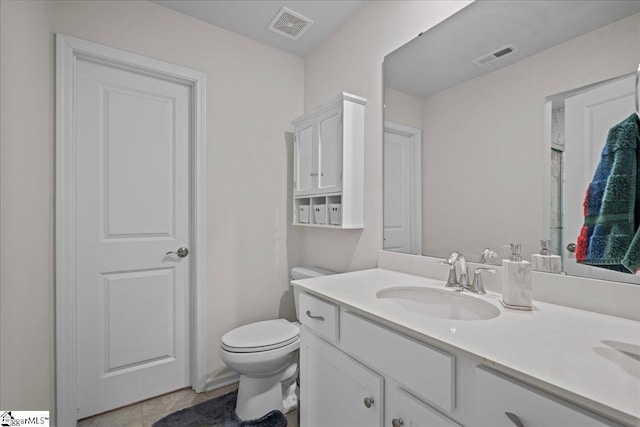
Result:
x=494 y=124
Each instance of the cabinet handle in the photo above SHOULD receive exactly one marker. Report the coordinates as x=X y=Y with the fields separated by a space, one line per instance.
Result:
x=397 y=422
x=368 y=401
x=514 y=418
x=315 y=317
x=314 y=174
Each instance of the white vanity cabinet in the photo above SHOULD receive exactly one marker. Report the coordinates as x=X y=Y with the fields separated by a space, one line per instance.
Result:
x=328 y=164
x=355 y=372
x=349 y=366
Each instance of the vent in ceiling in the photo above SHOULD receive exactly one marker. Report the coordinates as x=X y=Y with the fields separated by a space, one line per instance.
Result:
x=497 y=54
x=290 y=24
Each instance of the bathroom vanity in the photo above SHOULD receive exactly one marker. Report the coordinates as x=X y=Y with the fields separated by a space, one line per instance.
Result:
x=383 y=348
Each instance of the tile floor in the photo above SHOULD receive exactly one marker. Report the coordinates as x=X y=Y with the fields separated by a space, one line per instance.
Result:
x=145 y=413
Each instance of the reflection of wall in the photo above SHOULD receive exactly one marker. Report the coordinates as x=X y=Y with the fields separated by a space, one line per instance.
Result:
x=351 y=60
x=402 y=109
x=485 y=139
x=555 y=184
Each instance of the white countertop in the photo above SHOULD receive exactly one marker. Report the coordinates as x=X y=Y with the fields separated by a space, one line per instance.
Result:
x=589 y=358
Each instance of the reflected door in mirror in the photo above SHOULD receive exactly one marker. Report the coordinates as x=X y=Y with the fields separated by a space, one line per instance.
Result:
x=589 y=116
x=402 y=189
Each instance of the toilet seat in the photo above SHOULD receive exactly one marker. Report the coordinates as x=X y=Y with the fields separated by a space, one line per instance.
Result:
x=260 y=336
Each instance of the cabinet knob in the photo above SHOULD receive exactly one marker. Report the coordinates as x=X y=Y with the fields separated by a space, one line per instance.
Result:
x=368 y=401
x=571 y=247
x=514 y=419
x=397 y=422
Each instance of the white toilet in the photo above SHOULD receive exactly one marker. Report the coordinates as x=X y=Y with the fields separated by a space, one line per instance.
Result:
x=263 y=354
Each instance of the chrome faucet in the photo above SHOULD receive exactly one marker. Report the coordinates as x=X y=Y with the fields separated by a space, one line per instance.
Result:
x=462 y=281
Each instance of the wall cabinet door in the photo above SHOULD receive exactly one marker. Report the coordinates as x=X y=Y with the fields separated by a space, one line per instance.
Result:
x=329 y=151
x=407 y=411
x=318 y=154
x=304 y=157
x=335 y=389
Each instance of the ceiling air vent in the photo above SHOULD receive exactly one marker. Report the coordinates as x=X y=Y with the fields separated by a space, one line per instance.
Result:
x=499 y=53
x=290 y=24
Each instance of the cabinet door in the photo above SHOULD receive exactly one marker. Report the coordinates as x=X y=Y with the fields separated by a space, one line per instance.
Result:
x=334 y=388
x=504 y=402
x=407 y=411
x=329 y=151
x=303 y=155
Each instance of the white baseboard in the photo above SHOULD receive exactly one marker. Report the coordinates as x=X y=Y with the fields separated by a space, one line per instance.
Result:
x=221 y=381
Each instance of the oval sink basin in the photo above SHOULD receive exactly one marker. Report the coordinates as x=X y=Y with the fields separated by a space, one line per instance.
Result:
x=438 y=303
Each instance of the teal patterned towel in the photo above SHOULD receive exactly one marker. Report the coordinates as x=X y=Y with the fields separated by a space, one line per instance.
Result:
x=610 y=237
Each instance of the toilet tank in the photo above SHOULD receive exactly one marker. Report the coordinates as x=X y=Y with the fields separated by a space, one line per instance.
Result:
x=304 y=272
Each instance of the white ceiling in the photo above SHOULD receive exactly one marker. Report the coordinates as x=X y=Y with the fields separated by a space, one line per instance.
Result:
x=251 y=18
x=442 y=56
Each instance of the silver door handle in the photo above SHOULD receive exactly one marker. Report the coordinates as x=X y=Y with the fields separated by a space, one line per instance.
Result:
x=314 y=317
x=571 y=247
x=397 y=422
x=181 y=252
x=514 y=418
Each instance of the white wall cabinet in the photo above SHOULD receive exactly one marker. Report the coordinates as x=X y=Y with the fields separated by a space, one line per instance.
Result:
x=346 y=358
x=328 y=164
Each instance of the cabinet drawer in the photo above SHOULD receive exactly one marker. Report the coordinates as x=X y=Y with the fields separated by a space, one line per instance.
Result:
x=320 y=316
x=498 y=395
x=426 y=371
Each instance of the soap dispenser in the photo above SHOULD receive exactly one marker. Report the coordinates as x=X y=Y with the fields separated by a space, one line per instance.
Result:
x=516 y=281
x=545 y=260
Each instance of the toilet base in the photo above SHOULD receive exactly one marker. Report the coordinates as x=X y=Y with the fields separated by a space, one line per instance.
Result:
x=259 y=396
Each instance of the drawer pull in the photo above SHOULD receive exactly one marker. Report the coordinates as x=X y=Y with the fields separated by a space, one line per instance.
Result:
x=315 y=317
x=514 y=418
x=397 y=422
x=368 y=401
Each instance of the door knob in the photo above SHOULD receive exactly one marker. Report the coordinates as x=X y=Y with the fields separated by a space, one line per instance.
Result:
x=397 y=422
x=181 y=252
x=368 y=401
x=571 y=247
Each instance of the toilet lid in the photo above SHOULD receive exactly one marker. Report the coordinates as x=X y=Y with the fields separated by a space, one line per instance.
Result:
x=260 y=336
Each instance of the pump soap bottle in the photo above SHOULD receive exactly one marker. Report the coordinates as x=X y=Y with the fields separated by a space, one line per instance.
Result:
x=516 y=281
x=545 y=260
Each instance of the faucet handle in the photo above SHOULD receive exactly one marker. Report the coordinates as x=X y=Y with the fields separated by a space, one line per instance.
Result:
x=487 y=253
x=452 y=281
x=477 y=285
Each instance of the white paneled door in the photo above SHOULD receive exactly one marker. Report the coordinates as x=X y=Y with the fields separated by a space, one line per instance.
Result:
x=133 y=207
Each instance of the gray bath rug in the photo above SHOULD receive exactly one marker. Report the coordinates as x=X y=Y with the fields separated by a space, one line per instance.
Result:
x=218 y=412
